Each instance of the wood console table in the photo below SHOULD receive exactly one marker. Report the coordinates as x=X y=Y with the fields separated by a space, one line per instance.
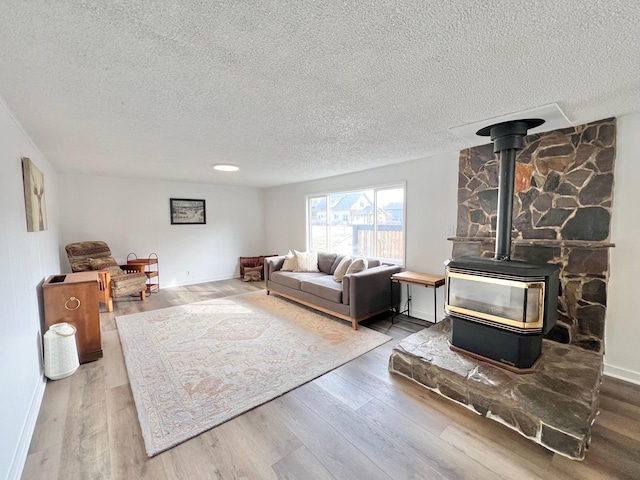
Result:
x=422 y=280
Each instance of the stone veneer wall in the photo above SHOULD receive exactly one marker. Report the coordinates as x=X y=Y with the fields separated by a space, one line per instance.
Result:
x=562 y=215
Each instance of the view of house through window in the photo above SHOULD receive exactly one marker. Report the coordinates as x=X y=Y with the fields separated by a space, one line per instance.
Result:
x=367 y=222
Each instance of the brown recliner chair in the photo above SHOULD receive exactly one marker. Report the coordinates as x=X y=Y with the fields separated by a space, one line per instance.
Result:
x=114 y=280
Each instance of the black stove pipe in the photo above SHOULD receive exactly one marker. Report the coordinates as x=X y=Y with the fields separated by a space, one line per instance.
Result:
x=508 y=138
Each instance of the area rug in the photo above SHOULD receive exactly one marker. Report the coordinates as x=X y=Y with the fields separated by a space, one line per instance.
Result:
x=195 y=366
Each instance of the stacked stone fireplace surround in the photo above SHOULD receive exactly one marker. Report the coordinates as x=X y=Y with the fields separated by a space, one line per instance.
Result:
x=562 y=214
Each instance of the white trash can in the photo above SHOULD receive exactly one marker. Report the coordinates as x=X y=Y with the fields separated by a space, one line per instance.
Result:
x=60 y=351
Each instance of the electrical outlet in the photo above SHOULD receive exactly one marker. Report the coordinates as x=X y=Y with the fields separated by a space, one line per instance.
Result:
x=188 y=272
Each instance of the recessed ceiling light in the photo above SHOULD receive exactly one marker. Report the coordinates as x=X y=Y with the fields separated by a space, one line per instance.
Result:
x=226 y=167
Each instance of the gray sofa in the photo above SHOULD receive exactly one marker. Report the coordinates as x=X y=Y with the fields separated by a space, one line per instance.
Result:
x=360 y=295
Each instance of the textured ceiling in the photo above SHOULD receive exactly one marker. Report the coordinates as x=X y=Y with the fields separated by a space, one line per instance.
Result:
x=302 y=89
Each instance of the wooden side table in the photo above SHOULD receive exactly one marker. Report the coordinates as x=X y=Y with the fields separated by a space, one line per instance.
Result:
x=427 y=280
x=73 y=298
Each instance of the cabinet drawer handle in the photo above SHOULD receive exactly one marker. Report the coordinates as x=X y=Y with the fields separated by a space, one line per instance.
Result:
x=72 y=299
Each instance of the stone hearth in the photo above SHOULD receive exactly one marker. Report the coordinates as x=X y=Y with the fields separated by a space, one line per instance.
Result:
x=555 y=406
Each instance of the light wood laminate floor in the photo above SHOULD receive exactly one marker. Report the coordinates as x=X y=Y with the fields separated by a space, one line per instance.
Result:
x=356 y=422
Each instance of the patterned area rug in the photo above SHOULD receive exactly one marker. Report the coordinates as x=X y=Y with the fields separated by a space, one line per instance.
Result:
x=196 y=366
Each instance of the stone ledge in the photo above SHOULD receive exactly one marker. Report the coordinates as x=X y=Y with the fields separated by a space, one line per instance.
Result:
x=536 y=242
x=554 y=407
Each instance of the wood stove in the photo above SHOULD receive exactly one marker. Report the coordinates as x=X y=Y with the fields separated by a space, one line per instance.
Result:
x=499 y=308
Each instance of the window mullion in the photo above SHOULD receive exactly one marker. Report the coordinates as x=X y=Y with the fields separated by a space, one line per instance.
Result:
x=327 y=235
x=375 y=221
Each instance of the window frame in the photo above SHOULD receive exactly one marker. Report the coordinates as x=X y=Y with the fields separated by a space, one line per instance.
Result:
x=374 y=188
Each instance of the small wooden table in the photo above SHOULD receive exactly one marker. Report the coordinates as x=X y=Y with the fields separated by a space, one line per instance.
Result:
x=427 y=280
x=73 y=298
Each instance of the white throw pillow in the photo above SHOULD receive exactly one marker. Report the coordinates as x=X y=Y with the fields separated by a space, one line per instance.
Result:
x=342 y=268
x=359 y=264
x=289 y=262
x=306 y=261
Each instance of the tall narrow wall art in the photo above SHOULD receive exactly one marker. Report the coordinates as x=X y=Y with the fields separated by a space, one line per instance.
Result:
x=35 y=204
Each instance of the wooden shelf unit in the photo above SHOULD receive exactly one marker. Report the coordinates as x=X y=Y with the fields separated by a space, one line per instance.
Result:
x=151 y=269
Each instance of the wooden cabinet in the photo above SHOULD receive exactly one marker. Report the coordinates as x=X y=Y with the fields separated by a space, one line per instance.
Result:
x=73 y=298
x=151 y=269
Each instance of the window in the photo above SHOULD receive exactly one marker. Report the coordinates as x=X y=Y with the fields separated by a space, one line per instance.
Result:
x=367 y=222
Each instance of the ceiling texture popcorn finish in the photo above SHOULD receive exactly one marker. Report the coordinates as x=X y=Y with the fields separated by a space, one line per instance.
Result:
x=298 y=90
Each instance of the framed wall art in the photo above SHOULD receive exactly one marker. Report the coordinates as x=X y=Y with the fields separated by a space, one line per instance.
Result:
x=35 y=205
x=187 y=211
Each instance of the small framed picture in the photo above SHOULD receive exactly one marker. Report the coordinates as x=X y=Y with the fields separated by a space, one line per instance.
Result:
x=187 y=211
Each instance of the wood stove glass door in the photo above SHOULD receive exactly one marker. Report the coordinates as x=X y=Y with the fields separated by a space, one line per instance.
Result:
x=514 y=303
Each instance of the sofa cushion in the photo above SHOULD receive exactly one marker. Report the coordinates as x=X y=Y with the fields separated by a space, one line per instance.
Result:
x=79 y=254
x=127 y=284
x=325 y=261
x=114 y=271
x=323 y=287
x=373 y=262
x=306 y=261
x=108 y=264
x=102 y=263
x=293 y=279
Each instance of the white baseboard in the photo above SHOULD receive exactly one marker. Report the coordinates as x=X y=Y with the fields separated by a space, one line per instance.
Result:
x=22 y=449
x=622 y=374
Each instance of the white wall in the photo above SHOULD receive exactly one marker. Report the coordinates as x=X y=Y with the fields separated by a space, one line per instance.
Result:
x=27 y=259
x=132 y=215
x=431 y=203
x=622 y=326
